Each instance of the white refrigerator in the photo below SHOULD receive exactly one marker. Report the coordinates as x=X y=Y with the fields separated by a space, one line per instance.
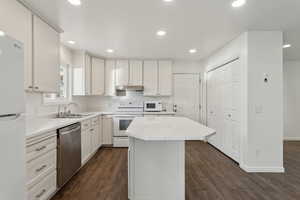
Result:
x=12 y=123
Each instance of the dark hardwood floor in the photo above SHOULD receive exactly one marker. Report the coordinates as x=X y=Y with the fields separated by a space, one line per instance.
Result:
x=209 y=176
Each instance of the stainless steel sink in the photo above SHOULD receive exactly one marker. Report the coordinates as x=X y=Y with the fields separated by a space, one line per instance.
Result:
x=72 y=115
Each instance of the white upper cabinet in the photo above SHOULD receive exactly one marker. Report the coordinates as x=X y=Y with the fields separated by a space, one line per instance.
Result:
x=122 y=72
x=150 y=78
x=98 y=73
x=16 y=21
x=165 y=78
x=135 y=72
x=110 y=78
x=88 y=74
x=82 y=71
x=45 y=57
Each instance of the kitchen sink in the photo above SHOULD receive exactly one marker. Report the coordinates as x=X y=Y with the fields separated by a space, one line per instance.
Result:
x=72 y=115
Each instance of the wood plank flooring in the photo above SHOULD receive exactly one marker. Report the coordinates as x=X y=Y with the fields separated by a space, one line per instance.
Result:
x=209 y=176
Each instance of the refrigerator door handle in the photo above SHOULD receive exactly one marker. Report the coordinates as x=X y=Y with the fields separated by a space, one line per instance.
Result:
x=9 y=117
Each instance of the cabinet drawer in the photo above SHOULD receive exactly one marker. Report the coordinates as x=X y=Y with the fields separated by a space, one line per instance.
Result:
x=44 y=189
x=85 y=124
x=38 y=168
x=38 y=149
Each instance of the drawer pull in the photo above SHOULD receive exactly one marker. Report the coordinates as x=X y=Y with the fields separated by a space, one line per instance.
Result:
x=40 y=149
x=40 y=194
x=41 y=168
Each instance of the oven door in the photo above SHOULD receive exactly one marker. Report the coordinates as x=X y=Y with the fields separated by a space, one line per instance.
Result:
x=121 y=123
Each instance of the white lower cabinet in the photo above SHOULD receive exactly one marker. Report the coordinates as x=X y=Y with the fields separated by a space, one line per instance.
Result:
x=91 y=138
x=41 y=168
x=107 y=129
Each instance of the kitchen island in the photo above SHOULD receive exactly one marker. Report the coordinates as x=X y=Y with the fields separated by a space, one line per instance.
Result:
x=156 y=156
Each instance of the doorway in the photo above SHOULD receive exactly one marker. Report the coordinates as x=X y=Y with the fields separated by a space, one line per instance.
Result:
x=186 y=99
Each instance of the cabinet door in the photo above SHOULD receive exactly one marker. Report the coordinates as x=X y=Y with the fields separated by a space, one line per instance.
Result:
x=150 y=78
x=94 y=139
x=165 y=78
x=88 y=74
x=107 y=130
x=100 y=132
x=45 y=57
x=97 y=76
x=122 y=72
x=16 y=21
x=110 y=89
x=84 y=148
x=136 y=72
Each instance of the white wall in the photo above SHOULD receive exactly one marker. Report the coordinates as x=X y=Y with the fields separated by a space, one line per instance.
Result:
x=262 y=113
x=291 y=71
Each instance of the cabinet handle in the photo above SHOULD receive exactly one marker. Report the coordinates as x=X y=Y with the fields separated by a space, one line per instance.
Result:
x=40 y=149
x=41 y=168
x=30 y=87
x=40 y=194
x=229 y=115
x=36 y=87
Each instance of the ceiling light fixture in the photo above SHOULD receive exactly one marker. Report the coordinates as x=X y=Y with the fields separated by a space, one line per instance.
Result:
x=161 y=33
x=2 y=33
x=110 y=50
x=75 y=2
x=71 y=42
x=168 y=1
x=193 y=51
x=238 y=3
x=286 y=46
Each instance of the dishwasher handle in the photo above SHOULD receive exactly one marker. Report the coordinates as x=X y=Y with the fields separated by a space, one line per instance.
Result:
x=70 y=131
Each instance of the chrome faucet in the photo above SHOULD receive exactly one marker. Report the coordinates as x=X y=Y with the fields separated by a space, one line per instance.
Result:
x=66 y=111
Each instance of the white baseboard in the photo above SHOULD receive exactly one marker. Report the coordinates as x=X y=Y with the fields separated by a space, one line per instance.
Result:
x=263 y=169
x=291 y=138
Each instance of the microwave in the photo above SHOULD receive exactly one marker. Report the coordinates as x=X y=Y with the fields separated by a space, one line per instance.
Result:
x=153 y=106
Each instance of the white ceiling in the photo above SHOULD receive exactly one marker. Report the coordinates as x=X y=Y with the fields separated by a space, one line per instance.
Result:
x=129 y=26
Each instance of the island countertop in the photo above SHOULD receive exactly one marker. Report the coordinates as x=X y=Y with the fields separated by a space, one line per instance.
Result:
x=167 y=128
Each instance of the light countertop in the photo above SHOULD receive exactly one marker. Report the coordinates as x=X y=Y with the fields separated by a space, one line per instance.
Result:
x=37 y=126
x=167 y=128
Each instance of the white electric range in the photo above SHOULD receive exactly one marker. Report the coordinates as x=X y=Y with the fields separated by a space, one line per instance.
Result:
x=126 y=112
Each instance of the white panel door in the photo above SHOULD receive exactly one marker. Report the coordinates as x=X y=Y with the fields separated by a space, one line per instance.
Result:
x=46 y=44
x=165 y=71
x=122 y=72
x=98 y=79
x=187 y=86
x=150 y=78
x=16 y=21
x=110 y=84
x=136 y=72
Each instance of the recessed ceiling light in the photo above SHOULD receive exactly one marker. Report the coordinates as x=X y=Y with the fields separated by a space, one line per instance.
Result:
x=193 y=51
x=110 y=50
x=286 y=46
x=71 y=42
x=238 y=3
x=168 y=1
x=2 y=33
x=75 y=2
x=161 y=33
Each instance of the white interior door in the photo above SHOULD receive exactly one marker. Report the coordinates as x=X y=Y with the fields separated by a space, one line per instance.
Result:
x=187 y=95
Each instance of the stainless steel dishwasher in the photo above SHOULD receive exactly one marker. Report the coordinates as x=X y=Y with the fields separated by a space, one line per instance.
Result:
x=69 y=153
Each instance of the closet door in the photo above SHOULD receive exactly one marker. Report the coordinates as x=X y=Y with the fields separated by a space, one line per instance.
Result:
x=232 y=106
x=211 y=106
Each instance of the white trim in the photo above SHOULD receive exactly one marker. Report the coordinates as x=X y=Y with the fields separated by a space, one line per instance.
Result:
x=262 y=169
x=291 y=138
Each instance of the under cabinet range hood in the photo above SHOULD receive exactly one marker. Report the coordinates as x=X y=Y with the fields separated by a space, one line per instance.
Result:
x=138 y=88
x=129 y=90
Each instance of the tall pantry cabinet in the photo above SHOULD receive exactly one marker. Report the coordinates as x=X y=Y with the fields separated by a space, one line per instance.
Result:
x=224 y=108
